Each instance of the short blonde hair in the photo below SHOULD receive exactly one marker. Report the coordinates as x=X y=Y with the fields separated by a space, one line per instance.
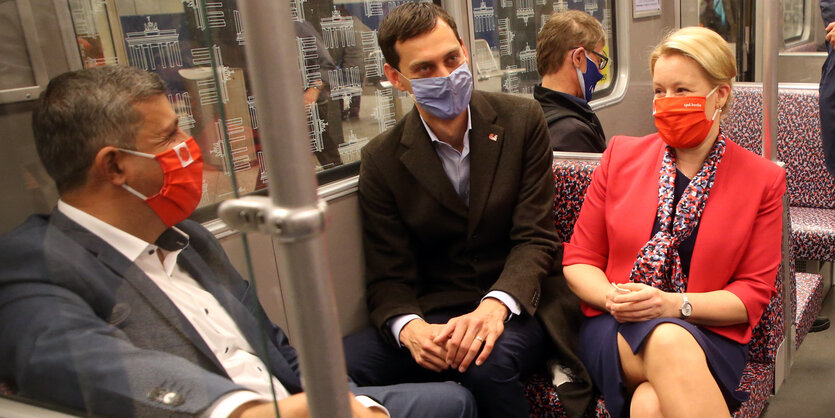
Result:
x=707 y=49
x=562 y=31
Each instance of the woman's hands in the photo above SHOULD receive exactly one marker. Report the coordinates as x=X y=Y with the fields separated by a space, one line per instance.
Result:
x=641 y=303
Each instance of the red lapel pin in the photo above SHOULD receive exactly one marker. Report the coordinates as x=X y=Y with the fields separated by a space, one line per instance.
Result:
x=493 y=137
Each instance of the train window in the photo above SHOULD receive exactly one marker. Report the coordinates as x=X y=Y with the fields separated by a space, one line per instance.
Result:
x=505 y=41
x=794 y=12
x=197 y=47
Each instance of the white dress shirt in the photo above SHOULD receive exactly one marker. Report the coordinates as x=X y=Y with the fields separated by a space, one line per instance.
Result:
x=457 y=168
x=218 y=330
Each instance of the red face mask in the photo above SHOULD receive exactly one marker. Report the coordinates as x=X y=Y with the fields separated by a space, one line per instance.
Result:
x=681 y=120
x=182 y=168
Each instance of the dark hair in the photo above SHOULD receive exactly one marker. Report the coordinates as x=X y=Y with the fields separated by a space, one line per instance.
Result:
x=82 y=111
x=408 y=21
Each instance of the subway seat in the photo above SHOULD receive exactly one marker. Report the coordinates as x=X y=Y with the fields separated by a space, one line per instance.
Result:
x=810 y=187
x=573 y=176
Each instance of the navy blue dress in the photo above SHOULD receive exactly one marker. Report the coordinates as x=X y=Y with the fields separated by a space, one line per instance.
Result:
x=599 y=346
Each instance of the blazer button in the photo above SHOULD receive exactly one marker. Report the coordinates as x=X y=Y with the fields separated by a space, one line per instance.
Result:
x=173 y=399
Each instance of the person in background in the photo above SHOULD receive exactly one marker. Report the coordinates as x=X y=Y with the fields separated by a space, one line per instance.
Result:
x=677 y=245
x=458 y=232
x=827 y=87
x=115 y=304
x=569 y=57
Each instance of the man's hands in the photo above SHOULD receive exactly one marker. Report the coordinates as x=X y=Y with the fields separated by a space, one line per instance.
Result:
x=418 y=337
x=642 y=303
x=464 y=335
x=830 y=33
x=455 y=344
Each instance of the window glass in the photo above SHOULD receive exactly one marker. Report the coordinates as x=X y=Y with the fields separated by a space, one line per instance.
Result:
x=793 y=19
x=505 y=44
x=197 y=47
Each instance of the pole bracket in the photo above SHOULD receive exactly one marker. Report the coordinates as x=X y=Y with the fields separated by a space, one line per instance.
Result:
x=259 y=214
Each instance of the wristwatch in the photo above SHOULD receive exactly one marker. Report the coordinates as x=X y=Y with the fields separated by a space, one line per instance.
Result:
x=686 y=308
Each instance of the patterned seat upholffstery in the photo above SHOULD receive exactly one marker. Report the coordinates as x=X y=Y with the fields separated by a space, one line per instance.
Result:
x=743 y=124
x=573 y=178
x=799 y=145
x=810 y=187
x=810 y=293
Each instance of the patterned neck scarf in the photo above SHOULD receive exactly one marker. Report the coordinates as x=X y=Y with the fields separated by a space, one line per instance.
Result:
x=658 y=264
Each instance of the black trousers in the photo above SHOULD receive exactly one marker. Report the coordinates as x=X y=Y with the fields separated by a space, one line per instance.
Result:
x=496 y=385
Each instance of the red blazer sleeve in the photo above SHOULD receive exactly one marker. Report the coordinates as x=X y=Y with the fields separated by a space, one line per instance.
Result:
x=753 y=279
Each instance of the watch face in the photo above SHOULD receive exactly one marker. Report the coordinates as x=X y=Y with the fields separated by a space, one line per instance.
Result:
x=686 y=309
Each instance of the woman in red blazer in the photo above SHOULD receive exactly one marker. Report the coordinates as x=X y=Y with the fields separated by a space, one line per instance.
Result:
x=677 y=245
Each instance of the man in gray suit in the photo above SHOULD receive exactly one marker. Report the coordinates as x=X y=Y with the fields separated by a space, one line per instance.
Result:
x=460 y=245
x=116 y=305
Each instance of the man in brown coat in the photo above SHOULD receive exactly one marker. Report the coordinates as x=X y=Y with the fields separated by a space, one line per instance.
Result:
x=458 y=233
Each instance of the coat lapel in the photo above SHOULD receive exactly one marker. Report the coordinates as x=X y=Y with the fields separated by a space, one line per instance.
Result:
x=424 y=164
x=486 y=140
x=125 y=268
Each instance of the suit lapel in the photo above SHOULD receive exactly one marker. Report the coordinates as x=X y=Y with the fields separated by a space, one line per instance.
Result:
x=125 y=268
x=423 y=162
x=486 y=140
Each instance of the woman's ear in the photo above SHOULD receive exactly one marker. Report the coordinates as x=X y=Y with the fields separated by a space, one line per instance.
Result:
x=722 y=94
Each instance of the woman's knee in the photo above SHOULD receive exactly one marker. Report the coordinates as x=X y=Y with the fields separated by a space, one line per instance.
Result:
x=671 y=344
x=645 y=402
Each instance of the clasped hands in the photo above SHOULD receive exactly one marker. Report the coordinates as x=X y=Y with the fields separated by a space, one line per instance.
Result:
x=456 y=344
x=641 y=303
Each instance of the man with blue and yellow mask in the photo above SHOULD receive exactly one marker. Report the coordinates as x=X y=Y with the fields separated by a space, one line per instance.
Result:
x=570 y=58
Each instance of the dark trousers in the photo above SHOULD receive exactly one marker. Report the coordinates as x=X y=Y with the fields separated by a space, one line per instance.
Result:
x=496 y=385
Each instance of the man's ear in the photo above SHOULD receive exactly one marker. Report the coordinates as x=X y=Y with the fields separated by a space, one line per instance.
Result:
x=466 y=53
x=578 y=58
x=108 y=166
x=394 y=77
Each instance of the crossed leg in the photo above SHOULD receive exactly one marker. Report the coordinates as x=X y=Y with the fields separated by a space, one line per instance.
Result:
x=669 y=376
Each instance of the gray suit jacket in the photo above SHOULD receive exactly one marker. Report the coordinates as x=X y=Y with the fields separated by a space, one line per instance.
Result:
x=83 y=327
x=425 y=249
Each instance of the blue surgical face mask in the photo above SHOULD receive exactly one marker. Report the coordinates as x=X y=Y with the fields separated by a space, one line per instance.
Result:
x=589 y=79
x=444 y=97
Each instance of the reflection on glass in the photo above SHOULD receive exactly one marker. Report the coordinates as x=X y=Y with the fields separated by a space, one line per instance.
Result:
x=197 y=47
x=793 y=19
x=505 y=47
x=720 y=16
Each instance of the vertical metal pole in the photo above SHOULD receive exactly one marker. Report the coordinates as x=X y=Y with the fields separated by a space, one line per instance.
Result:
x=772 y=34
x=271 y=56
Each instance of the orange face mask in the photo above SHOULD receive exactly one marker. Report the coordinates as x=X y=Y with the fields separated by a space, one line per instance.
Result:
x=681 y=120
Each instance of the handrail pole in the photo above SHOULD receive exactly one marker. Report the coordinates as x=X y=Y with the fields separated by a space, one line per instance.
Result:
x=773 y=33
x=292 y=214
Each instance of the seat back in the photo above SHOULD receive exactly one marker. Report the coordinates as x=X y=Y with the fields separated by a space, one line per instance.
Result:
x=572 y=175
x=485 y=62
x=799 y=143
x=744 y=124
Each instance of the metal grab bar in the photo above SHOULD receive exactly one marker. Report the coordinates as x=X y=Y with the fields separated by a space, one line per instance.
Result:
x=292 y=213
